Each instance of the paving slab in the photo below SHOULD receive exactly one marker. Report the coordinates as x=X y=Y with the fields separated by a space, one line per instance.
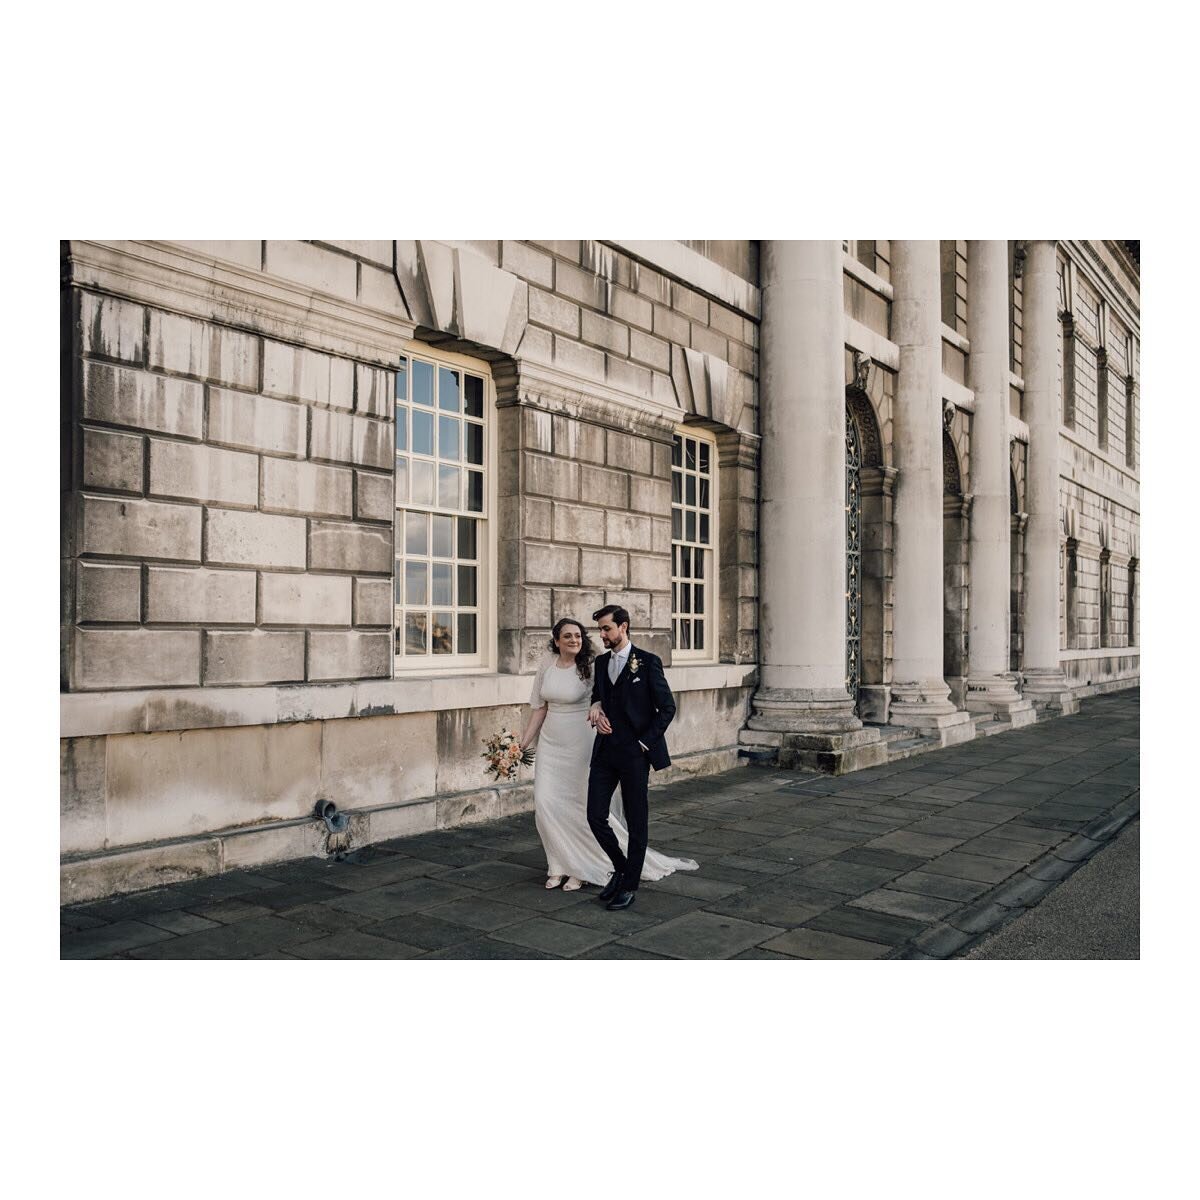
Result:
x=849 y=878
x=242 y=939
x=906 y=904
x=868 y=926
x=409 y=896
x=944 y=887
x=355 y=944
x=487 y=949
x=815 y=943
x=553 y=936
x=920 y=845
x=701 y=935
x=101 y=941
x=479 y=912
x=882 y=858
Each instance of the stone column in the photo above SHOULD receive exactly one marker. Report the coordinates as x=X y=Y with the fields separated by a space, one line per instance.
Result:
x=920 y=697
x=991 y=688
x=1045 y=683
x=802 y=707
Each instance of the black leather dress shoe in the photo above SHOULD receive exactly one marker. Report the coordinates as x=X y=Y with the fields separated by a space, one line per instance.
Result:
x=620 y=900
x=611 y=888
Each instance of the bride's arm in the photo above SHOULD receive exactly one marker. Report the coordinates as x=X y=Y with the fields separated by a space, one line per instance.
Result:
x=533 y=726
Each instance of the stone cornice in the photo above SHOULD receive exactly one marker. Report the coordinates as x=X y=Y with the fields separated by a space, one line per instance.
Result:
x=859 y=337
x=1084 y=255
x=867 y=277
x=178 y=279
x=688 y=266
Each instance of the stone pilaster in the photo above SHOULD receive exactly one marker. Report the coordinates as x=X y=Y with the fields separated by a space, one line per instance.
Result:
x=920 y=697
x=1045 y=683
x=991 y=688
x=802 y=707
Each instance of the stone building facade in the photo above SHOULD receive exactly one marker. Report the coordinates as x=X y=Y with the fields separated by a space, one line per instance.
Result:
x=322 y=501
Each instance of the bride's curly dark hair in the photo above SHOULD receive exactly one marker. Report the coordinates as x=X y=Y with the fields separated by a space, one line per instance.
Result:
x=587 y=652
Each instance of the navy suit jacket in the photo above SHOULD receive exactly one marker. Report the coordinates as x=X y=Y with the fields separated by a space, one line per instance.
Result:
x=640 y=702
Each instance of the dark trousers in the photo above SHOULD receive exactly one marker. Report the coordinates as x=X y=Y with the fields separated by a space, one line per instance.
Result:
x=628 y=765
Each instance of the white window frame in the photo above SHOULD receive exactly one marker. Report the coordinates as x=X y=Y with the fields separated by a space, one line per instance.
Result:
x=483 y=661
x=712 y=578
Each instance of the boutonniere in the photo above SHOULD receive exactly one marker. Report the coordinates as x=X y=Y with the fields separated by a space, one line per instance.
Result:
x=633 y=665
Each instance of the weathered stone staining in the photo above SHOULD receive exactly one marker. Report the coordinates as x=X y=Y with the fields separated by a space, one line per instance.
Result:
x=251 y=621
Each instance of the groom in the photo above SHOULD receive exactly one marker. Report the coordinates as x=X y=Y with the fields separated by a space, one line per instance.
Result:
x=631 y=708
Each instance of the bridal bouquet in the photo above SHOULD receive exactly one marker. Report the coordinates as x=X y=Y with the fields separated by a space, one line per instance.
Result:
x=504 y=755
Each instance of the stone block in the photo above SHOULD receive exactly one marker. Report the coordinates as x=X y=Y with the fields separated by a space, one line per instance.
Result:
x=538 y=518
x=742 y=358
x=112 y=460
x=126 y=658
x=629 y=377
x=579 y=603
x=81 y=773
x=551 y=564
x=597 y=485
x=372 y=761
x=461 y=733
x=537 y=607
x=552 y=477
x=629 y=453
x=253 y=656
x=377 y=288
x=652 y=284
x=313 y=266
x=660 y=539
x=582 y=286
x=137 y=870
x=374 y=391
x=626 y=531
x=112 y=328
x=350 y=655
x=671 y=325
x=609 y=335
x=708 y=342
x=373 y=602
x=203 y=473
x=198 y=348
x=309 y=488
x=244 y=253
x=603 y=569
x=123 y=396
x=537 y=430
x=632 y=309
x=254 y=539
x=555 y=313
x=141 y=529
x=725 y=320
x=105 y=592
x=691 y=303
x=652 y=573
x=537 y=345
x=577 y=358
x=530 y=264
x=198 y=596
x=650 y=495
x=378 y=252
x=181 y=784
x=374 y=496
x=340 y=437
x=293 y=373
x=574 y=524
x=652 y=351
x=343 y=546
x=256 y=423
x=637 y=604
x=289 y=599
x=405 y=821
x=578 y=440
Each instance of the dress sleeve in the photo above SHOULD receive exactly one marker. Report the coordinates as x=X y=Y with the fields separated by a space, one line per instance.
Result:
x=535 y=695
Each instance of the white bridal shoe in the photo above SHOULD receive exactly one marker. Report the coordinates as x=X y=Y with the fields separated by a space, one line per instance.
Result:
x=553 y=881
x=572 y=884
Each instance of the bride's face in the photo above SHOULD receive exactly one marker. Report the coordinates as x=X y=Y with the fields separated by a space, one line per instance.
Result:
x=570 y=641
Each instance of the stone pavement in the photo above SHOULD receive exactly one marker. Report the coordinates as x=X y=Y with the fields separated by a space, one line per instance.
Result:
x=917 y=859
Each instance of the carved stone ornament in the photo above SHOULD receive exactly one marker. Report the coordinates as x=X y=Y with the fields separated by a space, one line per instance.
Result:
x=1018 y=259
x=948 y=411
x=862 y=369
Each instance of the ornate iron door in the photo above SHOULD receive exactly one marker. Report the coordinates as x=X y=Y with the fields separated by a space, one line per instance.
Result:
x=853 y=561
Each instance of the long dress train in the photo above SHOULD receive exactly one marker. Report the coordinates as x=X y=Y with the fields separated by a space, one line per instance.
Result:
x=564 y=751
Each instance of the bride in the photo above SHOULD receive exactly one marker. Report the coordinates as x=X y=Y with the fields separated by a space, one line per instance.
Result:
x=562 y=692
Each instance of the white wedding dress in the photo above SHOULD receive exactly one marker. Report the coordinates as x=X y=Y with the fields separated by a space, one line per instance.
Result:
x=560 y=781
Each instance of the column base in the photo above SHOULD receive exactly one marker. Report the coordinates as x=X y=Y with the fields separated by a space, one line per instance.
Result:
x=997 y=695
x=830 y=753
x=927 y=706
x=803 y=710
x=1049 y=692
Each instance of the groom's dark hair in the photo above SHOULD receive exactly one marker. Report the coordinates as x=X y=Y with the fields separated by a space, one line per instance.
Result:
x=618 y=614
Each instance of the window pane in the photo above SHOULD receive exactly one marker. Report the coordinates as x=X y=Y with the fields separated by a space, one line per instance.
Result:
x=704 y=456
x=443 y=584
x=466 y=633
x=422 y=383
x=399 y=588
x=676 y=488
x=674 y=597
x=443 y=538
x=416 y=533
x=402 y=380
x=474 y=396
x=474 y=443
x=422 y=483
x=690 y=526
x=685 y=635
x=685 y=597
x=676 y=523
x=401 y=482
x=448 y=438
x=443 y=633
x=701 y=555
x=704 y=493
x=685 y=560
x=448 y=487
x=448 y=397
x=698 y=598
x=703 y=528
x=422 y=432
x=699 y=636
x=466 y=587
x=691 y=489
x=466 y=538
x=676 y=452
x=416 y=580
x=474 y=491
x=401 y=428
x=689 y=456
x=414 y=633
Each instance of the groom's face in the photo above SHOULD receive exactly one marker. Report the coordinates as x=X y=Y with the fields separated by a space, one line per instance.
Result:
x=612 y=635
